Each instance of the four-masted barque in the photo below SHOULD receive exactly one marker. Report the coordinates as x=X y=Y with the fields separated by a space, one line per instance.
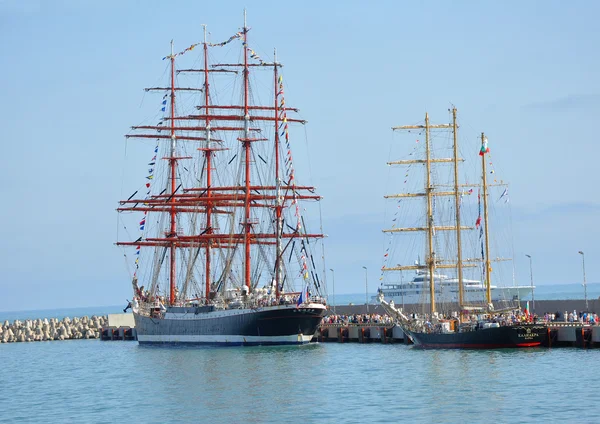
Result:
x=457 y=328
x=224 y=255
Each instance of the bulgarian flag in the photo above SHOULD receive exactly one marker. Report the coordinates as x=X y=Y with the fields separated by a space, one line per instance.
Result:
x=484 y=147
x=526 y=310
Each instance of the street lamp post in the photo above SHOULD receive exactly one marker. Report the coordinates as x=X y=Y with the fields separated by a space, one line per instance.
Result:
x=333 y=280
x=402 y=288
x=584 y=282
x=366 y=290
x=531 y=274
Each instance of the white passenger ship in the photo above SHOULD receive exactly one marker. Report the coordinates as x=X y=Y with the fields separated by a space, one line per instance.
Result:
x=446 y=289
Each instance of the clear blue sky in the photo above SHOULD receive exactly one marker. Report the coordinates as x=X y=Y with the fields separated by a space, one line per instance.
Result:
x=72 y=75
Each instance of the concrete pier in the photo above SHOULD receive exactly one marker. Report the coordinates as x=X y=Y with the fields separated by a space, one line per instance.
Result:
x=361 y=333
x=119 y=327
x=118 y=333
x=559 y=334
x=573 y=334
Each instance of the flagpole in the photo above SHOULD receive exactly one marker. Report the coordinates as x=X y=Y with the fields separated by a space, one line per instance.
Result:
x=531 y=273
x=333 y=280
x=366 y=289
x=584 y=282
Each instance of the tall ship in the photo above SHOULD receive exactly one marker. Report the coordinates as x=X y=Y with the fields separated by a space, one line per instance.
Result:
x=224 y=254
x=456 y=311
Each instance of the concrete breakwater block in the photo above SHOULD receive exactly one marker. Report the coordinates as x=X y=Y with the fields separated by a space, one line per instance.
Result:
x=37 y=330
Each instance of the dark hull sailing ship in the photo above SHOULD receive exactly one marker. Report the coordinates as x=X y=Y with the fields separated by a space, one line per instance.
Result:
x=274 y=325
x=472 y=326
x=224 y=250
x=505 y=336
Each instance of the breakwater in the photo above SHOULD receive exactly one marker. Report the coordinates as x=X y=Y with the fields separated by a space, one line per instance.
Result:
x=38 y=330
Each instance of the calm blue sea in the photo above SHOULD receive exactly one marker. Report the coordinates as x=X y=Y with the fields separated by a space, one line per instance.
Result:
x=59 y=313
x=89 y=381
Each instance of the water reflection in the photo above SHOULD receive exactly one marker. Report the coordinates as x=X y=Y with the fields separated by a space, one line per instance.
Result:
x=255 y=379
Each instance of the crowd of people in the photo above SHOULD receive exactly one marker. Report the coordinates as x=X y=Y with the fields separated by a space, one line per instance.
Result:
x=358 y=319
x=513 y=318
x=582 y=317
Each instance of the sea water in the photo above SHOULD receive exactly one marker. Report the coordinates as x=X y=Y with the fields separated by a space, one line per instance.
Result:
x=83 y=381
x=91 y=381
x=60 y=313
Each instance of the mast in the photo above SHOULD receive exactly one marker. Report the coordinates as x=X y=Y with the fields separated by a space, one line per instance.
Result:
x=246 y=141
x=173 y=168
x=210 y=199
x=488 y=266
x=208 y=155
x=457 y=208
x=278 y=204
x=428 y=190
x=429 y=193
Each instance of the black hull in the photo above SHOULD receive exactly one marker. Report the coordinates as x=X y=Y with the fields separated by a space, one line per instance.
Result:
x=264 y=326
x=516 y=336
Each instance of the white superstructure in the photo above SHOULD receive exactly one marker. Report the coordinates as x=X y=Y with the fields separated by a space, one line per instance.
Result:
x=446 y=289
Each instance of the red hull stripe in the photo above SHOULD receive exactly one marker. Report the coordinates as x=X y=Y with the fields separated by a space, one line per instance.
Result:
x=476 y=345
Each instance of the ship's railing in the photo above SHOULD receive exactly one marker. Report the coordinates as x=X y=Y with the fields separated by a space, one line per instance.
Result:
x=151 y=309
x=154 y=309
x=144 y=309
x=391 y=310
x=317 y=299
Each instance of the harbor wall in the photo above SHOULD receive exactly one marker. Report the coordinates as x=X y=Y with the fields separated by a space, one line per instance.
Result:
x=541 y=307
